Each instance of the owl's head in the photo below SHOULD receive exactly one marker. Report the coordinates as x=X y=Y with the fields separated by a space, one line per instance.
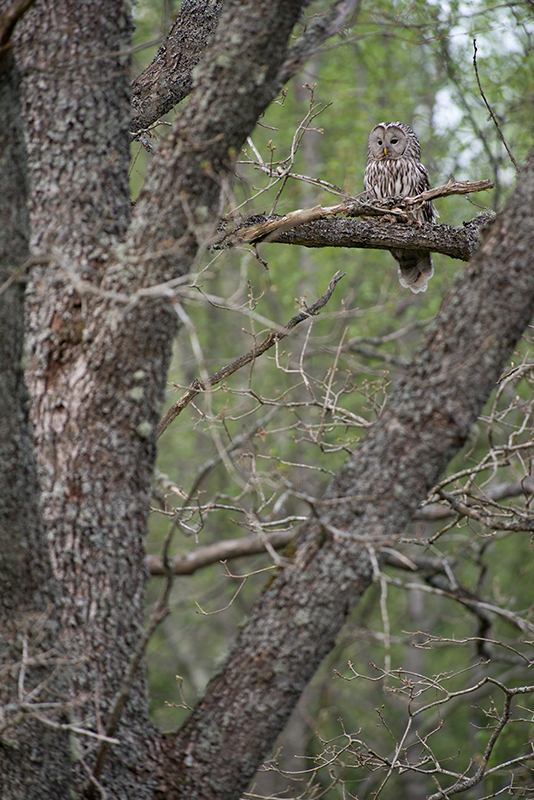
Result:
x=392 y=140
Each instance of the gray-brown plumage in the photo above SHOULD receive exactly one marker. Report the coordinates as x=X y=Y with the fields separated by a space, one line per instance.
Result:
x=394 y=169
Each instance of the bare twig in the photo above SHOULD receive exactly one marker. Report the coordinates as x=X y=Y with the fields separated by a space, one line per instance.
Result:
x=270 y=340
x=492 y=115
x=325 y=27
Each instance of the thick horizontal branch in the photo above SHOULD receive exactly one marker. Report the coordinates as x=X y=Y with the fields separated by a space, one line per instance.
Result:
x=313 y=227
x=455 y=242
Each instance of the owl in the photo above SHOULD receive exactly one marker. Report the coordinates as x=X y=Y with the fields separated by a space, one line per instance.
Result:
x=394 y=169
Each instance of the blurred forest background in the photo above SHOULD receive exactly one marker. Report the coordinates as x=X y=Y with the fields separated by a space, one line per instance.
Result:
x=454 y=605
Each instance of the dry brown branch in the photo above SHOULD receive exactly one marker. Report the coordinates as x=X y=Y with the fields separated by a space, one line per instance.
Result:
x=447 y=189
x=188 y=563
x=353 y=207
x=196 y=386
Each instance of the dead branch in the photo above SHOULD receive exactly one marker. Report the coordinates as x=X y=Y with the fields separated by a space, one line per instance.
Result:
x=271 y=228
x=188 y=563
x=272 y=338
x=446 y=189
x=492 y=115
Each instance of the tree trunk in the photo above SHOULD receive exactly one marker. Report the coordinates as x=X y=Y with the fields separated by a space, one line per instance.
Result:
x=28 y=612
x=99 y=352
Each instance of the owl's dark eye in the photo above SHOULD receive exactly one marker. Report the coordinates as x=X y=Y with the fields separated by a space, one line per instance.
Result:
x=379 y=141
x=394 y=141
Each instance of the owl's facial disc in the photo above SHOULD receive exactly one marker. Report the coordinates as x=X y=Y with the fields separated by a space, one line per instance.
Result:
x=394 y=143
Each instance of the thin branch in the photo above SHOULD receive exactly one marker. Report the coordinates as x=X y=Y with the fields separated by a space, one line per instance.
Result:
x=478 y=606
x=465 y=783
x=492 y=115
x=188 y=563
x=500 y=523
x=196 y=386
x=325 y=27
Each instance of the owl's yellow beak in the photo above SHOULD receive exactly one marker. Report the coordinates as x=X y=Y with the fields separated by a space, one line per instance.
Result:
x=385 y=150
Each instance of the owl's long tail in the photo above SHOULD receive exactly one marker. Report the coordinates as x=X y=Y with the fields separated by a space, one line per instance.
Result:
x=415 y=269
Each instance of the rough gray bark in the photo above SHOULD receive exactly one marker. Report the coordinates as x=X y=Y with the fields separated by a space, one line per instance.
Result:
x=27 y=568
x=168 y=79
x=376 y=234
x=98 y=359
x=28 y=614
x=295 y=621
x=179 y=206
x=94 y=460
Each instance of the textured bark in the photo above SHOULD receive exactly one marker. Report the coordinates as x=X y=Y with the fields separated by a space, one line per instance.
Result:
x=28 y=619
x=460 y=242
x=86 y=378
x=98 y=360
x=168 y=79
x=295 y=622
x=24 y=568
x=180 y=204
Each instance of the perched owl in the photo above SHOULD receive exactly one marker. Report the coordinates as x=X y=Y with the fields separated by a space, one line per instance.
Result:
x=394 y=170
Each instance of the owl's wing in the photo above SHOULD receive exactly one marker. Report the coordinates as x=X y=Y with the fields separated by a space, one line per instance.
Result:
x=428 y=211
